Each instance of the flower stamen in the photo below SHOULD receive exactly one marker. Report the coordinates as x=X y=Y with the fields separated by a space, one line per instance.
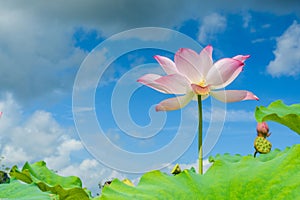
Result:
x=200 y=89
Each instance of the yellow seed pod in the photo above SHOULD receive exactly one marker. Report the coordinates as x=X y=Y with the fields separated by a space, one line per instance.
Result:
x=262 y=145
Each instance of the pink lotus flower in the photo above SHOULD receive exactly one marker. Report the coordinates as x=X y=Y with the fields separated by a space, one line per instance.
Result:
x=195 y=74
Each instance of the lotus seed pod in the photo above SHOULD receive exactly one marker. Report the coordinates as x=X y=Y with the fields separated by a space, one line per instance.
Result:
x=262 y=145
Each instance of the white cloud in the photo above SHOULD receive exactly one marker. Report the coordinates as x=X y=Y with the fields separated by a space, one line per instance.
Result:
x=35 y=54
x=113 y=16
x=91 y=173
x=239 y=116
x=149 y=34
x=258 y=40
x=246 y=19
x=287 y=53
x=37 y=47
x=221 y=114
x=33 y=137
x=61 y=157
x=38 y=136
x=266 y=26
x=211 y=25
x=90 y=69
x=15 y=154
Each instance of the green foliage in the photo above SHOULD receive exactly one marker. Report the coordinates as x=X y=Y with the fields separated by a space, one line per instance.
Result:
x=270 y=176
x=40 y=179
x=17 y=190
x=4 y=177
x=279 y=112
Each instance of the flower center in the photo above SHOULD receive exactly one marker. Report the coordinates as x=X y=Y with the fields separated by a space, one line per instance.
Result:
x=201 y=88
x=202 y=83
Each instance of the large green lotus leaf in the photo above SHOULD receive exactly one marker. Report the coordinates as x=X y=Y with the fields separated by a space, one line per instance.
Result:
x=17 y=190
x=279 y=112
x=48 y=181
x=270 y=176
x=40 y=172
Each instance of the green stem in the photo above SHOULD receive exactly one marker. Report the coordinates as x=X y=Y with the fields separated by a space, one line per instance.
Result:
x=200 y=152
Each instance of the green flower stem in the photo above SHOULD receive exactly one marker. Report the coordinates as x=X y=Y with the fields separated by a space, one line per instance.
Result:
x=200 y=152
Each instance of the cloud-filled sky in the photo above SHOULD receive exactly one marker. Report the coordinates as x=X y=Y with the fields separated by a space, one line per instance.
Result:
x=43 y=46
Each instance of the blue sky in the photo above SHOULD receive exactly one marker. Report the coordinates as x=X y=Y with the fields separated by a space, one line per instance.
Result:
x=43 y=47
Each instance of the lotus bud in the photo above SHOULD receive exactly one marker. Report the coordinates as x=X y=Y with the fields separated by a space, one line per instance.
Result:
x=262 y=129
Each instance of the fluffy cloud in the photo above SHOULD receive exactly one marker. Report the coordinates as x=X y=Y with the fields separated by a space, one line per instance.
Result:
x=221 y=114
x=114 y=16
x=38 y=136
x=246 y=19
x=231 y=115
x=35 y=54
x=61 y=157
x=211 y=25
x=37 y=45
x=31 y=138
x=287 y=53
x=91 y=173
x=14 y=154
